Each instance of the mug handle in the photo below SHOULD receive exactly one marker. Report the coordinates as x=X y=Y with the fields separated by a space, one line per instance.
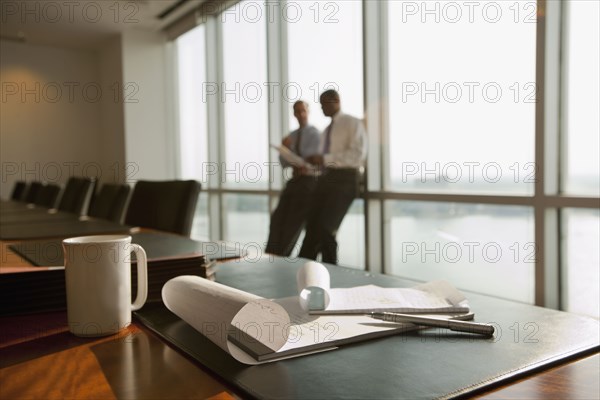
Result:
x=142 y=277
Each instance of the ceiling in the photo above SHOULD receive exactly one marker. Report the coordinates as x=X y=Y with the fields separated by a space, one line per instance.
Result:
x=85 y=24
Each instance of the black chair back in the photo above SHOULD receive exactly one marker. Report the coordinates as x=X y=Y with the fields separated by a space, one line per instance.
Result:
x=164 y=205
x=110 y=202
x=18 y=192
x=32 y=192
x=77 y=195
x=47 y=196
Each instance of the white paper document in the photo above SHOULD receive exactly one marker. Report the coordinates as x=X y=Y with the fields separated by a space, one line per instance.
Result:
x=316 y=296
x=290 y=156
x=432 y=297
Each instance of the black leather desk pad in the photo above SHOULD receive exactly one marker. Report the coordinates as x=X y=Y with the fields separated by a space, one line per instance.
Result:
x=158 y=245
x=59 y=229
x=418 y=365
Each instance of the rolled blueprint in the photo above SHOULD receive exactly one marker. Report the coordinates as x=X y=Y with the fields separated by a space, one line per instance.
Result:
x=221 y=313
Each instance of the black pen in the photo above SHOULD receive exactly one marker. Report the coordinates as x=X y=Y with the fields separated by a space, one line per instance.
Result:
x=452 y=324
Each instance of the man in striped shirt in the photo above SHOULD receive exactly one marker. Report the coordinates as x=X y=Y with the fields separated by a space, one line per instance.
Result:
x=289 y=217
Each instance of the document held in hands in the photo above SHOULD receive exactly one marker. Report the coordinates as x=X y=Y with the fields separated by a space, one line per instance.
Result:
x=297 y=161
x=290 y=156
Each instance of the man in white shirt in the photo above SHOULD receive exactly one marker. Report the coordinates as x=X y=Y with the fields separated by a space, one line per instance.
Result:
x=343 y=153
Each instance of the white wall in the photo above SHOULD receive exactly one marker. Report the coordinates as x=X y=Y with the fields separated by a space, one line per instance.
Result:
x=112 y=124
x=148 y=141
x=100 y=112
x=50 y=114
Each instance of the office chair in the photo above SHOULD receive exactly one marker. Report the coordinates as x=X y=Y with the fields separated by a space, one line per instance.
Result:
x=164 y=205
x=77 y=194
x=32 y=192
x=110 y=202
x=47 y=196
x=19 y=190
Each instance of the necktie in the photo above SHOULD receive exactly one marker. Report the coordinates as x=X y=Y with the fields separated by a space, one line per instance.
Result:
x=327 y=139
x=298 y=141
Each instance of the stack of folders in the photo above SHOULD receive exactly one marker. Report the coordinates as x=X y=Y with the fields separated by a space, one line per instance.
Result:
x=162 y=270
x=41 y=287
x=208 y=270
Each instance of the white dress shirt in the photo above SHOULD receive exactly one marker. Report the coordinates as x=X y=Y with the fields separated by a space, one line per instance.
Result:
x=348 y=143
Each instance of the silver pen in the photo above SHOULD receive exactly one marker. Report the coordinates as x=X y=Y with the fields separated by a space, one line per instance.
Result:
x=452 y=324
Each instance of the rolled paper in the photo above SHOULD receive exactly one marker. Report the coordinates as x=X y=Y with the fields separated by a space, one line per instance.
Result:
x=313 y=286
x=220 y=312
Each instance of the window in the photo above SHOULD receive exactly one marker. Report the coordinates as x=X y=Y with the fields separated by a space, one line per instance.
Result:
x=583 y=99
x=581 y=277
x=462 y=96
x=483 y=248
x=191 y=70
x=351 y=237
x=246 y=219
x=325 y=52
x=200 y=228
x=244 y=97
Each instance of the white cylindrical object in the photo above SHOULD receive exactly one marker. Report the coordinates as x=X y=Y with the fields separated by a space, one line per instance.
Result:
x=313 y=286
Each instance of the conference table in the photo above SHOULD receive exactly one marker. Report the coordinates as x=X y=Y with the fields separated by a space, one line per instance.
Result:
x=20 y=222
x=39 y=358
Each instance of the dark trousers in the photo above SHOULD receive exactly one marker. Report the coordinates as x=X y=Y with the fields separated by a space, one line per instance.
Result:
x=289 y=217
x=336 y=190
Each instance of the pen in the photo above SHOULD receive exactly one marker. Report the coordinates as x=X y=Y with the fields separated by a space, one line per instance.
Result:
x=452 y=324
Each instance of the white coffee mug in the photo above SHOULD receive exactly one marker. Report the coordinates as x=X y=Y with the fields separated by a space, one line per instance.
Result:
x=98 y=282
